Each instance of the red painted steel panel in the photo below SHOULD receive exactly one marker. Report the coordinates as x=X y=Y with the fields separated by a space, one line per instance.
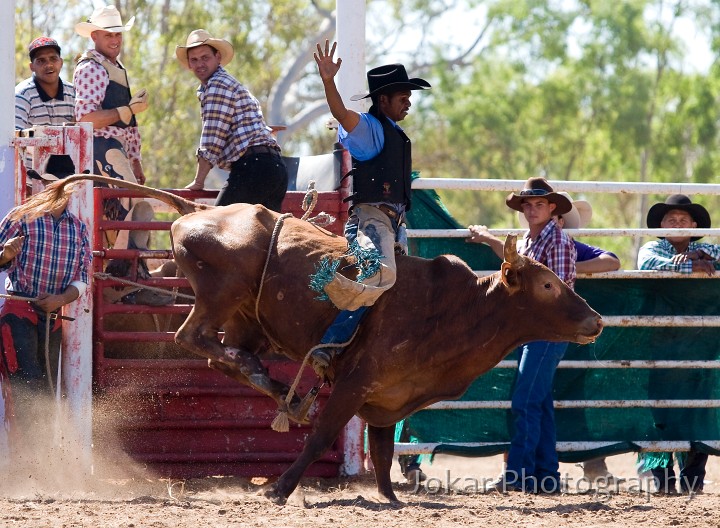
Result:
x=177 y=416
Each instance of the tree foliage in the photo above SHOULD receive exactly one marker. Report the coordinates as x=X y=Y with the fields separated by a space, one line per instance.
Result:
x=571 y=90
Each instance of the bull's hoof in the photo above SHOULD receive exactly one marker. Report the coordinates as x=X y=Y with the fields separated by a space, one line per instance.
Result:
x=275 y=496
x=299 y=409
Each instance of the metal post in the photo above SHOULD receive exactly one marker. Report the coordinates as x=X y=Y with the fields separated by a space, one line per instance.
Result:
x=78 y=334
x=7 y=167
x=351 y=48
x=351 y=80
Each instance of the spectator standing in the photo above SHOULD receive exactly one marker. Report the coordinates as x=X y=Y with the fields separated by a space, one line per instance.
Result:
x=234 y=134
x=103 y=98
x=46 y=254
x=44 y=98
x=682 y=254
x=532 y=464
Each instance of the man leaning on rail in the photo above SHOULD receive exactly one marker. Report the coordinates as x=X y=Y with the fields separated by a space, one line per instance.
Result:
x=683 y=254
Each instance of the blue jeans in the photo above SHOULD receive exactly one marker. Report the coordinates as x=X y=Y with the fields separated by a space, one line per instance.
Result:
x=532 y=461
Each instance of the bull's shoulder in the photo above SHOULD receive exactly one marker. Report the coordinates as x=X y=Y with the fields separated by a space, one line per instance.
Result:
x=443 y=267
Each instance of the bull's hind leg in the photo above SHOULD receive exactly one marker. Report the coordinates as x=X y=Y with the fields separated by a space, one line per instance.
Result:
x=199 y=334
x=382 y=446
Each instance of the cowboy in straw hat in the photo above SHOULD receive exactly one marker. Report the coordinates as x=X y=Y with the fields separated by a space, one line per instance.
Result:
x=249 y=151
x=201 y=37
x=106 y=18
x=381 y=191
x=683 y=254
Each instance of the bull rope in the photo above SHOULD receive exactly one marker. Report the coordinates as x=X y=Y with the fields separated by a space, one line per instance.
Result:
x=174 y=292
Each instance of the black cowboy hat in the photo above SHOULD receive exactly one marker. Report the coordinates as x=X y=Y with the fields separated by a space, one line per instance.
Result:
x=391 y=75
x=678 y=201
x=539 y=188
x=58 y=166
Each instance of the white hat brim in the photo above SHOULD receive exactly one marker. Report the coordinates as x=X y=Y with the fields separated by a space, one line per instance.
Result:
x=85 y=29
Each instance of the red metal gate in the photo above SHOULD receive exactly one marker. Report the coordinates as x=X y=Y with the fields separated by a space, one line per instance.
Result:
x=174 y=414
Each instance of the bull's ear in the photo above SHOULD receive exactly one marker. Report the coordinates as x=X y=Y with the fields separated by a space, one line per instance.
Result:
x=509 y=268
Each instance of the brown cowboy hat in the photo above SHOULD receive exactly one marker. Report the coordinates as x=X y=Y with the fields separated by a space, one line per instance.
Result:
x=577 y=218
x=201 y=37
x=678 y=201
x=539 y=188
x=391 y=75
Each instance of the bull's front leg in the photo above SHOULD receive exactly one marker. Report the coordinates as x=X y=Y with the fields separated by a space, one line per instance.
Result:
x=381 y=441
x=342 y=405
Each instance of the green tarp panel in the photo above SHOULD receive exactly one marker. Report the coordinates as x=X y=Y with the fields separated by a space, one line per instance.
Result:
x=621 y=427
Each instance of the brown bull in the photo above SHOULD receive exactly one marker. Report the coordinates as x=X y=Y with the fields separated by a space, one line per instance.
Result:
x=425 y=340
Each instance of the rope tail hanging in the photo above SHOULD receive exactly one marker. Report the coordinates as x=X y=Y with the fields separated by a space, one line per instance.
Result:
x=281 y=423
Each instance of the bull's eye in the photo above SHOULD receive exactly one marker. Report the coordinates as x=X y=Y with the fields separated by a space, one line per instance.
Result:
x=548 y=285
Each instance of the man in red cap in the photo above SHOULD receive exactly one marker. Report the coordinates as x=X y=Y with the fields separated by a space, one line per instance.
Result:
x=44 y=98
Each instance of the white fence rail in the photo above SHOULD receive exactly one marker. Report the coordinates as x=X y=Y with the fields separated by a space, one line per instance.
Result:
x=624 y=321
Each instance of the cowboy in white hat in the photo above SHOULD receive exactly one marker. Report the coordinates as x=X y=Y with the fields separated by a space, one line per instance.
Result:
x=104 y=98
x=103 y=92
x=234 y=135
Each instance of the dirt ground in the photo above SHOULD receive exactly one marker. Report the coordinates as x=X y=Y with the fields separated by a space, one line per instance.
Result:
x=36 y=493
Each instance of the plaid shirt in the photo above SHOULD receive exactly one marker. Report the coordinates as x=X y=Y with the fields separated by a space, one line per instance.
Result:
x=91 y=80
x=553 y=248
x=658 y=254
x=55 y=253
x=232 y=120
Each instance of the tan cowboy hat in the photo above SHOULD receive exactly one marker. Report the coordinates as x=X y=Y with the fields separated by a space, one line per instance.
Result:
x=105 y=18
x=200 y=37
x=537 y=187
x=577 y=218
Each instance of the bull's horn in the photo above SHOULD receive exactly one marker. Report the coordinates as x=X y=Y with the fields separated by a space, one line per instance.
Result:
x=510 y=252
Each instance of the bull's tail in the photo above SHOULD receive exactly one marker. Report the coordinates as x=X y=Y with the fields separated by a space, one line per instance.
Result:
x=182 y=205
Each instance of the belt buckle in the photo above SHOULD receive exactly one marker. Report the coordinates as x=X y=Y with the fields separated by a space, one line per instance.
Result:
x=389 y=211
x=53 y=316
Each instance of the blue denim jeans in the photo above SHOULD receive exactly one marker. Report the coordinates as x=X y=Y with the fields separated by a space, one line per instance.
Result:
x=532 y=461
